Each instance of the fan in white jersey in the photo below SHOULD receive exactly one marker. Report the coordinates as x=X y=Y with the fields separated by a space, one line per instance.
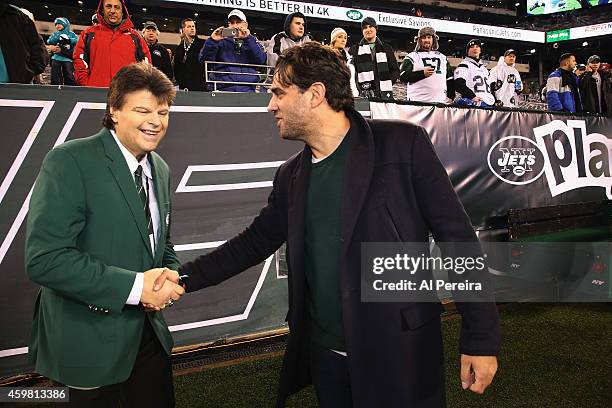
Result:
x=472 y=78
x=426 y=70
x=506 y=81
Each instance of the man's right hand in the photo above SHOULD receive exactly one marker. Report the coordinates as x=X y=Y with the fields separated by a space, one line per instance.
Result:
x=429 y=71
x=216 y=35
x=158 y=299
x=476 y=100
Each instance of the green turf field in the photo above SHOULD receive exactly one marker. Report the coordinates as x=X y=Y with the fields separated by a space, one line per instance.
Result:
x=569 y=5
x=553 y=356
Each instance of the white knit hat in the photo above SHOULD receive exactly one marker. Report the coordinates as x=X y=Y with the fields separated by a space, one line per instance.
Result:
x=337 y=31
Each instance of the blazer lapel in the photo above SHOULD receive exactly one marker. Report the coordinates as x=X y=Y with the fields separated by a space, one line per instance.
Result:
x=160 y=185
x=358 y=174
x=121 y=173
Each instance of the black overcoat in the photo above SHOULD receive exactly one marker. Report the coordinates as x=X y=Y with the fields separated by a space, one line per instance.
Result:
x=395 y=189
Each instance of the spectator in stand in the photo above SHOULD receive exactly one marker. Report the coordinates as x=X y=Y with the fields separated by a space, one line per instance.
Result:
x=562 y=86
x=472 y=78
x=338 y=41
x=294 y=33
x=160 y=57
x=375 y=64
x=22 y=52
x=506 y=81
x=103 y=49
x=37 y=79
x=339 y=38
x=596 y=88
x=241 y=48
x=188 y=71
x=426 y=70
x=61 y=45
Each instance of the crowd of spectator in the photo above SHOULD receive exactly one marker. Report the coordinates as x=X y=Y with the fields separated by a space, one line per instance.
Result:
x=232 y=59
x=573 y=88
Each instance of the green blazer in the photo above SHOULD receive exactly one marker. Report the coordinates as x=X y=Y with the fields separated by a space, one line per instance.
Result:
x=86 y=240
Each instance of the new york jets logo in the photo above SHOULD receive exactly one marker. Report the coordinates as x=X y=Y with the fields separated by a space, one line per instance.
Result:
x=354 y=15
x=516 y=160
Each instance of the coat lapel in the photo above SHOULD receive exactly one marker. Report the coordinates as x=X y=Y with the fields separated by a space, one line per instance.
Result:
x=121 y=173
x=298 y=189
x=357 y=176
x=160 y=185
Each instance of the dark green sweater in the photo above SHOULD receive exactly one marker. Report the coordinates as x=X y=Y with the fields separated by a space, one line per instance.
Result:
x=322 y=241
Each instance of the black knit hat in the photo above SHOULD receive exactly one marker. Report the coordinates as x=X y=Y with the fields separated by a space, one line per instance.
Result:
x=368 y=21
x=473 y=41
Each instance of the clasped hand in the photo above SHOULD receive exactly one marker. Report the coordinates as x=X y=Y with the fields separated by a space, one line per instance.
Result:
x=477 y=372
x=157 y=293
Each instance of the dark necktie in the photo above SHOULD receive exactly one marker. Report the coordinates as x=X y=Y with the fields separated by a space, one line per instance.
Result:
x=143 y=198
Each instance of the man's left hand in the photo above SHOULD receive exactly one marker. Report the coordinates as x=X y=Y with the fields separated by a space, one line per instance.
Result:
x=477 y=372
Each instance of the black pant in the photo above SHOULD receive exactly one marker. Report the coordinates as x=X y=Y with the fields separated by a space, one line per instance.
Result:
x=62 y=73
x=149 y=385
x=330 y=377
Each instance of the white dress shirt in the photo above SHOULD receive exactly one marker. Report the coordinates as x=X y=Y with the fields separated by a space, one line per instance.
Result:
x=147 y=180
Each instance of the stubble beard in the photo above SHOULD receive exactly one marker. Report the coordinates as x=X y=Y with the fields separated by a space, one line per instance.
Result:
x=296 y=127
x=294 y=131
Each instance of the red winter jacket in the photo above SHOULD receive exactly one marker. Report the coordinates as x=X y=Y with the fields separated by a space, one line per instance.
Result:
x=109 y=50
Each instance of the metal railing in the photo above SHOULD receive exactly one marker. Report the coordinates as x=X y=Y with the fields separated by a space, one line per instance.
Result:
x=264 y=75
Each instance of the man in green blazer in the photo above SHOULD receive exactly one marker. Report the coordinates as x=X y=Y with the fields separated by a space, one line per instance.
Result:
x=99 y=216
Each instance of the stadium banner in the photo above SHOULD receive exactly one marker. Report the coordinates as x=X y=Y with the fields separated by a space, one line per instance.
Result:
x=594 y=30
x=501 y=160
x=558 y=35
x=223 y=150
x=328 y=12
x=577 y=33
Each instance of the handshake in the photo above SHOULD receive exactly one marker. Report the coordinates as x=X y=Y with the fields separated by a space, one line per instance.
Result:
x=161 y=289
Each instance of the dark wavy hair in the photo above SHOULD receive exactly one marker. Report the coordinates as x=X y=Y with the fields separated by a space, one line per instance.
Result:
x=303 y=65
x=133 y=78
